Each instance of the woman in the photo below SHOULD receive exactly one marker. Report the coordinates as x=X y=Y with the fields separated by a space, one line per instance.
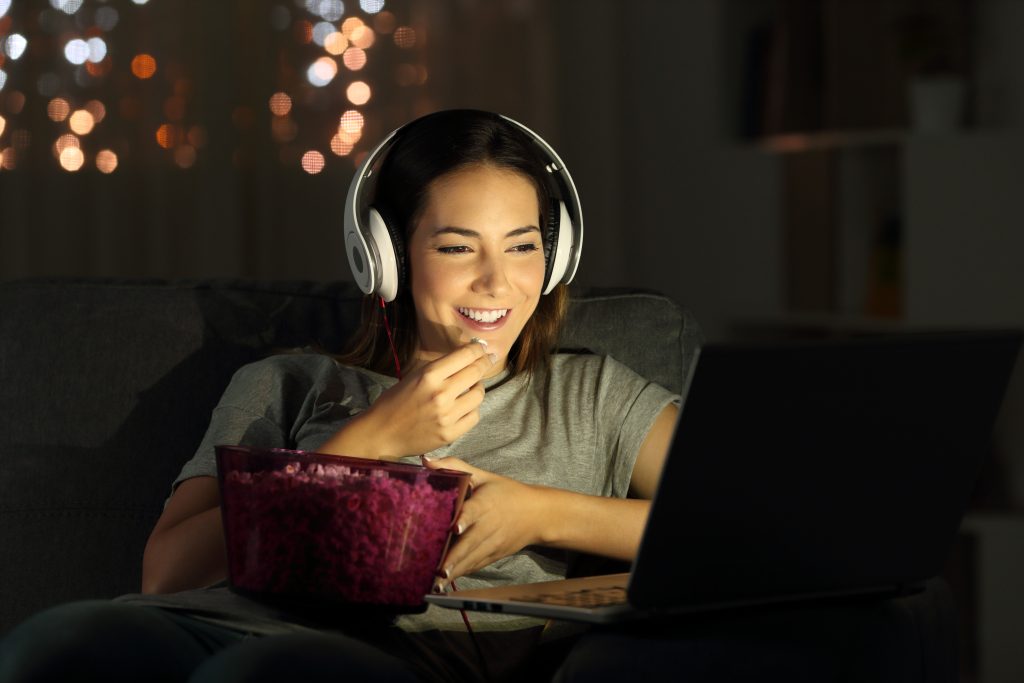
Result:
x=554 y=443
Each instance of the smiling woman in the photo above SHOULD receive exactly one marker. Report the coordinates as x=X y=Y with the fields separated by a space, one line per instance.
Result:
x=472 y=227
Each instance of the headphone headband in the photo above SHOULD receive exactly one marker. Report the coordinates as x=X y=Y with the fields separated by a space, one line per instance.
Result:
x=375 y=249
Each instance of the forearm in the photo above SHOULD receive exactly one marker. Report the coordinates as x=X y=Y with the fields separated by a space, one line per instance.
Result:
x=611 y=527
x=190 y=554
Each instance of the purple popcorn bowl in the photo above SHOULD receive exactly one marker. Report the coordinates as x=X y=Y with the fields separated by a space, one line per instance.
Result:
x=324 y=529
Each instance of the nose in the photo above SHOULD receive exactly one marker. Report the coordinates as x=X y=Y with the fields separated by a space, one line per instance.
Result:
x=491 y=277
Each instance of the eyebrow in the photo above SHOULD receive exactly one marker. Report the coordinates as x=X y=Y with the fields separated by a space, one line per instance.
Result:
x=466 y=232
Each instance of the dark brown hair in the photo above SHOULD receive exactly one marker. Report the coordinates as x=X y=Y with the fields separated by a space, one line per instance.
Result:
x=423 y=151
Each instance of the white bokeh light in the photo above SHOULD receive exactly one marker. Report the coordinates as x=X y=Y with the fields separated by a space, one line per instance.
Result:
x=97 y=50
x=322 y=71
x=14 y=46
x=76 y=51
x=371 y=6
x=4 y=6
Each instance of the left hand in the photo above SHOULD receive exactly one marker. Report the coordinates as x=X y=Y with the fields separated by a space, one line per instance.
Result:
x=501 y=518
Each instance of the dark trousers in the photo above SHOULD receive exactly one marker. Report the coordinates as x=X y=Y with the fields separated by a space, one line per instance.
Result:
x=106 y=641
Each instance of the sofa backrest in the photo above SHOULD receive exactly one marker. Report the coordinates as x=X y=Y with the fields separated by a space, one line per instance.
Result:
x=106 y=387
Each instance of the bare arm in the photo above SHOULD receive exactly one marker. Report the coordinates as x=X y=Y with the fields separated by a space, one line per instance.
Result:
x=505 y=515
x=186 y=548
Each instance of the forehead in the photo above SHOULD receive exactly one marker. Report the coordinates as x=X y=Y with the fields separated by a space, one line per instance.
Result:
x=481 y=186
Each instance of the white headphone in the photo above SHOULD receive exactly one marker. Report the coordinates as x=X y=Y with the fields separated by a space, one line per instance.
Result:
x=376 y=249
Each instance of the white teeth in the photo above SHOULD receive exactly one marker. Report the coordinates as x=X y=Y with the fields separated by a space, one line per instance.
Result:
x=488 y=316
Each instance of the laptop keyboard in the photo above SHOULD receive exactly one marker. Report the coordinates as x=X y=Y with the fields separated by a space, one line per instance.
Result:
x=590 y=597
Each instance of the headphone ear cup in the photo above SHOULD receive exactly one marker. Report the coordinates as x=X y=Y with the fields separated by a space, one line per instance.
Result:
x=551 y=228
x=561 y=244
x=390 y=248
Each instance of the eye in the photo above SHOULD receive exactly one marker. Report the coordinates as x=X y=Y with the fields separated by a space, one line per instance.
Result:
x=525 y=248
x=458 y=249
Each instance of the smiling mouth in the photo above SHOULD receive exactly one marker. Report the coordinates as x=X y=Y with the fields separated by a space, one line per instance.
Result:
x=484 y=315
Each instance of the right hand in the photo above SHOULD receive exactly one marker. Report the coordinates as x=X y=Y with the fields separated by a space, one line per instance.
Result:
x=430 y=407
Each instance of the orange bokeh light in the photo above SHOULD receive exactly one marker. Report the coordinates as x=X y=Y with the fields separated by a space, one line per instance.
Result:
x=351 y=122
x=106 y=161
x=96 y=108
x=358 y=93
x=335 y=43
x=143 y=66
x=64 y=142
x=81 y=122
x=350 y=25
x=58 y=109
x=362 y=36
x=405 y=37
x=71 y=159
x=312 y=162
x=168 y=135
x=354 y=58
x=341 y=146
x=280 y=104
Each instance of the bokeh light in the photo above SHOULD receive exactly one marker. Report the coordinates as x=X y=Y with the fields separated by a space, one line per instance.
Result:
x=64 y=142
x=280 y=104
x=3 y=124
x=351 y=122
x=358 y=93
x=168 y=135
x=107 y=18
x=322 y=71
x=341 y=146
x=362 y=36
x=321 y=30
x=3 y=79
x=284 y=129
x=312 y=162
x=350 y=25
x=371 y=6
x=143 y=66
x=385 y=23
x=405 y=37
x=97 y=109
x=354 y=58
x=71 y=159
x=81 y=122
x=4 y=6
x=9 y=159
x=14 y=45
x=97 y=49
x=185 y=156
x=336 y=43
x=106 y=161
x=58 y=109
x=76 y=51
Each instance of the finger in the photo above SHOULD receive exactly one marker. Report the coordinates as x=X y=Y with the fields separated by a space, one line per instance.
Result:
x=457 y=360
x=465 y=379
x=477 y=475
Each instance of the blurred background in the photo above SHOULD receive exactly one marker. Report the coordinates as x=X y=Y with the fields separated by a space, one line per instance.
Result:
x=780 y=167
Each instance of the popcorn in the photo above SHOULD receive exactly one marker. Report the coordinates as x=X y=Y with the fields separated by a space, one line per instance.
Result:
x=339 y=533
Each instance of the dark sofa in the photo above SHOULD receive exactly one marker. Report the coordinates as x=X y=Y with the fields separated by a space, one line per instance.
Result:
x=106 y=388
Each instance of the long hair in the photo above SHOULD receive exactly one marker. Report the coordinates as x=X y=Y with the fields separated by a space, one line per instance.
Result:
x=423 y=151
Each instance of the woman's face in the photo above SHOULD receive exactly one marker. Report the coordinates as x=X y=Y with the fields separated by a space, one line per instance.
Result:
x=476 y=261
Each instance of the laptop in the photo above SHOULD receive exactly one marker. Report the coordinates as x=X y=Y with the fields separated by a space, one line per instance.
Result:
x=801 y=470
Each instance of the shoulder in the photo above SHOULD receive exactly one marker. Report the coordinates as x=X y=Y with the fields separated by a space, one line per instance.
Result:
x=588 y=365
x=297 y=374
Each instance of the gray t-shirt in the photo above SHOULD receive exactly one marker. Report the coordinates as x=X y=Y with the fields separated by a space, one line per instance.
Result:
x=578 y=426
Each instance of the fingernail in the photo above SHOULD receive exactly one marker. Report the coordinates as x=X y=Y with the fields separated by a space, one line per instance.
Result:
x=439 y=585
x=446 y=572
x=493 y=357
x=480 y=341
